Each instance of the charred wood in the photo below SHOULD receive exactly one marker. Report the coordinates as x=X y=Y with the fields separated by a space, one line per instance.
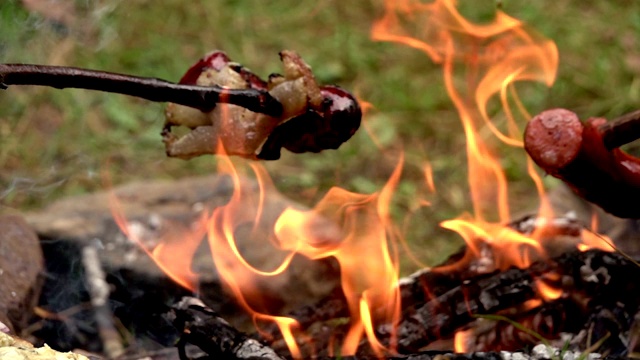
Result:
x=589 y=278
x=427 y=284
x=204 y=328
x=99 y=292
x=550 y=321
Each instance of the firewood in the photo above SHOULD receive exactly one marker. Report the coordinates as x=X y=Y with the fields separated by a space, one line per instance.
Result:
x=589 y=277
x=426 y=284
x=204 y=328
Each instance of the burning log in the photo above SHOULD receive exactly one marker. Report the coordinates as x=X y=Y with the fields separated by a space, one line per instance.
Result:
x=587 y=158
x=586 y=277
x=425 y=284
x=205 y=329
x=438 y=304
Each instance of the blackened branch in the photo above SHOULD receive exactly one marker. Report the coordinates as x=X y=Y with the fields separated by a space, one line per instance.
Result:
x=204 y=328
x=203 y=98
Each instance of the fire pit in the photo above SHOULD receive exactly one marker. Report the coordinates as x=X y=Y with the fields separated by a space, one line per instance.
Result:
x=227 y=267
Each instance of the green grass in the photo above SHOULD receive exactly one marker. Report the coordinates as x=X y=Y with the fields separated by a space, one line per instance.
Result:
x=55 y=143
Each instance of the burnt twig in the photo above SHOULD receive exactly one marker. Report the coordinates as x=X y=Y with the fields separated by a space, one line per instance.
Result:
x=203 y=327
x=203 y=98
x=99 y=292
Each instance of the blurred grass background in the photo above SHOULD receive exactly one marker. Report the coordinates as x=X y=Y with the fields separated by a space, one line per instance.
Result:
x=55 y=143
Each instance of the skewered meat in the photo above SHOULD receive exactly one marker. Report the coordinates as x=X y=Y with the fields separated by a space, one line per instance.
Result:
x=314 y=117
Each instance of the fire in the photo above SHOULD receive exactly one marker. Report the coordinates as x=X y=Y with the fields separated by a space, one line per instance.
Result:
x=348 y=226
x=369 y=268
x=461 y=340
x=548 y=292
x=173 y=251
x=357 y=229
x=481 y=64
x=492 y=58
x=593 y=240
x=353 y=228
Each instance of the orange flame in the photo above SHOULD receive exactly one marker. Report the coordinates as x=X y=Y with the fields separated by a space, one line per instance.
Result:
x=427 y=169
x=548 y=292
x=342 y=224
x=353 y=228
x=591 y=239
x=369 y=270
x=461 y=341
x=173 y=249
x=492 y=56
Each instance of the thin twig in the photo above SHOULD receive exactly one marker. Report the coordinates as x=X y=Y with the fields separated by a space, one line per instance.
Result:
x=99 y=291
x=203 y=98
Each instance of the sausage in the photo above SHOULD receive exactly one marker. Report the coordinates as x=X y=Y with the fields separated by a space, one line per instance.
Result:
x=575 y=153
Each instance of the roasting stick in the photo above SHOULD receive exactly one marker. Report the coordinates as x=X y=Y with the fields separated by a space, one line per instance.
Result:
x=203 y=98
x=621 y=130
x=586 y=157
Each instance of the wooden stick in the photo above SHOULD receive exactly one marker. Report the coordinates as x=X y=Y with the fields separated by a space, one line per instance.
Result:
x=99 y=292
x=203 y=98
x=621 y=131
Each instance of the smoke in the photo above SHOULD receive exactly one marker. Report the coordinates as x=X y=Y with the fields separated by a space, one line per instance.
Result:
x=30 y=187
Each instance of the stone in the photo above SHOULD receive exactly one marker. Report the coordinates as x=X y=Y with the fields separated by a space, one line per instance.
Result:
x=17 y=349
x=21 y=264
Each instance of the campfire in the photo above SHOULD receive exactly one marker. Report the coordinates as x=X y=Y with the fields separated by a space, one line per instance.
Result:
x=227 y=267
